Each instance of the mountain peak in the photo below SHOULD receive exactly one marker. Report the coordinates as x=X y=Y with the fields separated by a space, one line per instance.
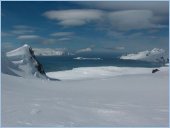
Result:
x=24 y=59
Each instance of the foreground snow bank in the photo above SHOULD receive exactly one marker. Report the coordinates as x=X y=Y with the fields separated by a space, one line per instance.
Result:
x=155 y=55
x=99 y=72
x=131 y=100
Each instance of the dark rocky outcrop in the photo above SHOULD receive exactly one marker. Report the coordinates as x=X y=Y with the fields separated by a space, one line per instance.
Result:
x=155 y=70
x=38 y=65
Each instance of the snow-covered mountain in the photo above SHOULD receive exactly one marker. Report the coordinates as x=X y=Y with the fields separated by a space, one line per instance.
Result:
x=22 y=62
x=155 y=55
x=50 y=52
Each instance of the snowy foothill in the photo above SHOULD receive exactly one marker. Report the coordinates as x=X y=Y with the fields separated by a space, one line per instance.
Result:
x=85 y=96
x=154 y=55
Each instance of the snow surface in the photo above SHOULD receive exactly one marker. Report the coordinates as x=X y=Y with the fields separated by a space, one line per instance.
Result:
x=131 y=100
x=99 y=72
x=153 y=55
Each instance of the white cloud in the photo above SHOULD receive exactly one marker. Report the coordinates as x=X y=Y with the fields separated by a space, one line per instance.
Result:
x=74 y=17
x=5 y=34
x=158 y=7
x=18 y=32
x=63 y=39
x=84 y=50
x=153 y=31
x=63 y=36
x=115 y=48
x=120 y=48
x=7 y=46
x=119 y=20
x=49 y=41
x=28 y=37
x=72 y=22
x=22 y=29
x=59 y=34
x=115 y=34
x=131 y=19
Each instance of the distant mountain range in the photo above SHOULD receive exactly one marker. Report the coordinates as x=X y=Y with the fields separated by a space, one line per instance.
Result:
x=50 y=52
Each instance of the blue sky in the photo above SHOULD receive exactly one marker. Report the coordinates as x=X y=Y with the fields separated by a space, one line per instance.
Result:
x=101 y=26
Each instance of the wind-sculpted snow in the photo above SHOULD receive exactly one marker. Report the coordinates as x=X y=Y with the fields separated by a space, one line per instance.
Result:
x=22 y=62
x=155 y=55
x=7 y=66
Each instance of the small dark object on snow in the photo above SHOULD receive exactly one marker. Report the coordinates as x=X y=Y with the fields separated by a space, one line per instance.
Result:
x=155 y=70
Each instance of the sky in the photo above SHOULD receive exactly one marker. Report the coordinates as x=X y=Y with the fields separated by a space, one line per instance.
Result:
x=101 y=26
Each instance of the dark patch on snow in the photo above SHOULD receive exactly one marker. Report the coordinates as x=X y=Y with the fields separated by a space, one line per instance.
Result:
x=155 y=70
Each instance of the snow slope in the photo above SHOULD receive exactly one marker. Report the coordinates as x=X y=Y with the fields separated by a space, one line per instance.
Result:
x=99 y=72
x=132 y=100
x=155 y=55
x=22 y=62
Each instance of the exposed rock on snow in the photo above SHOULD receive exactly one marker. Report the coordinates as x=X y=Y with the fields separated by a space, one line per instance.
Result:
x=155 y=70
x=155 y=55
x=22 y=62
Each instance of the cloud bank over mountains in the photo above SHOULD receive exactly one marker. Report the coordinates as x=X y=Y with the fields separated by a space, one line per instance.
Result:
x=121 y=16
x=74 y=17
x=119 y=20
